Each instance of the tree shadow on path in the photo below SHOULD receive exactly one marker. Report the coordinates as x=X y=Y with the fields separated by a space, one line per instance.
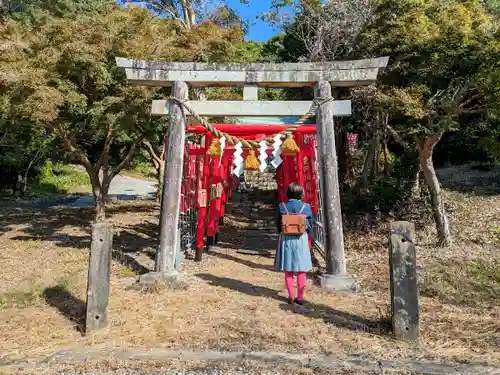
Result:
x=71 y=307
x=311 y=310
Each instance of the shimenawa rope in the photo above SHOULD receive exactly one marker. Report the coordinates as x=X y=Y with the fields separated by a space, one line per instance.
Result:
x=232 y=140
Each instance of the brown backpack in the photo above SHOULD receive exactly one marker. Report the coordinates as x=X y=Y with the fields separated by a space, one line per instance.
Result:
x=293 y=224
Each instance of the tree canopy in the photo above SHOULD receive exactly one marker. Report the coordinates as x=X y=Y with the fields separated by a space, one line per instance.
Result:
x=440 y=94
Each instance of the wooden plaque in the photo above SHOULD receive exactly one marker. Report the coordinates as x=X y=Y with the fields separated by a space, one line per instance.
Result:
x=202 y=198
x=220 y=188
x=213 y=191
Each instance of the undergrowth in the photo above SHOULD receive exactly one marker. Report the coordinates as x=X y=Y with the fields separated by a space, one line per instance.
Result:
x=28 y=298
x=60 y=179
x=471 y=283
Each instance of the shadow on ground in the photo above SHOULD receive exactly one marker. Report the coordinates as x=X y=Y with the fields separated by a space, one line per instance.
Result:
x=315 y=311
x=71 y=227
x=71 y=307
x=467 y=179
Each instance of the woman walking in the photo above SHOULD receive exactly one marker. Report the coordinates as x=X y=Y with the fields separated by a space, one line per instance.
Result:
x=293 y=255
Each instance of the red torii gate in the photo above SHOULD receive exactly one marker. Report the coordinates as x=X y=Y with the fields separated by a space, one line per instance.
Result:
x=208 y=181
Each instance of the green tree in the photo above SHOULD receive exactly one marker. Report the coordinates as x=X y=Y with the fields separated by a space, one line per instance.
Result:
x=64 y=77
x=435 y=81
x=37 y=11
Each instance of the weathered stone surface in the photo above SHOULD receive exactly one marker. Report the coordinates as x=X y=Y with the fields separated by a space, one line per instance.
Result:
x=339 y=73
x=403 y=276
x=328 y=163
x=98 y=277
x=339 y=78
x=351 y=364
x=380 y=62
x=252 y=108
x=169 y=217
x=261 y=180
x=338 y=283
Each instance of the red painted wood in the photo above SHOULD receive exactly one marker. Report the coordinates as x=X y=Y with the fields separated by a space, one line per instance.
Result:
x=202 y=215
x=254 y=129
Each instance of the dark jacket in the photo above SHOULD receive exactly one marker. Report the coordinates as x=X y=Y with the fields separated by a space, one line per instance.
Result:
x=294 y=206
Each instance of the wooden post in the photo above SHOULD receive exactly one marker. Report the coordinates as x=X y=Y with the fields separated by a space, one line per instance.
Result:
x=403 y=276
x=336 y=277
x=212 y=212
x=169 y=217
x=203 y=200
x=98 y=277
x=300 y=163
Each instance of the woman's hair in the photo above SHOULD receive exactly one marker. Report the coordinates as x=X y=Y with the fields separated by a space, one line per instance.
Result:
x=295 y=191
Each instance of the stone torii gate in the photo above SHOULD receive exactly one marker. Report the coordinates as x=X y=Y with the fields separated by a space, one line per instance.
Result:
x=251 y=76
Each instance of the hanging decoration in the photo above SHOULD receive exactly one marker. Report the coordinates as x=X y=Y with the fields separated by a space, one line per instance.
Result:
x=263 y=155
x=222 y=142
x=251 y=162
x=352 y=139
x=238 y=160
x=215 y=148
x=289 y=147
x=277 y=160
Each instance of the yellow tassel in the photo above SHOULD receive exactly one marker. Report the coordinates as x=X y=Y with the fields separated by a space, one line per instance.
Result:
x=214 y=149
x=289 y=147
x=251 y=161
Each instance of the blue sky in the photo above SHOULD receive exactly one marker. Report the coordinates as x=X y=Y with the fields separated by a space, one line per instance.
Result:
x=259 y=30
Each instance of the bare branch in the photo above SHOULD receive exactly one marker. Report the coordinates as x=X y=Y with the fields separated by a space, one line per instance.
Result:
x=3 y=138
x=397 y=137
x=103 y=159
x=151 y=151
x=131 y=153
x=329 y=32
x=71 y=148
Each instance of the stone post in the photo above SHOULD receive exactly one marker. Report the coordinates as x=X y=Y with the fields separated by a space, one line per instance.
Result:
x=403 y=276
x=169 y=217
x=98 y=277
x=336 y=277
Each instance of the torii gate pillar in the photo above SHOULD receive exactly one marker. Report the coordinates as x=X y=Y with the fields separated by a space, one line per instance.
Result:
x=336 y=276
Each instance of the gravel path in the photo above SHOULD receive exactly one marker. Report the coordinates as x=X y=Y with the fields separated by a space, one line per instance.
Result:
x=122 y=188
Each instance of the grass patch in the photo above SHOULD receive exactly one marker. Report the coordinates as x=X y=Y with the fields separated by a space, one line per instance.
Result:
x=18 y=299
x=126 y=272
x=23 y=299
x=485 y=272
x=470 y=283
x=141 y=170
x=61 y=179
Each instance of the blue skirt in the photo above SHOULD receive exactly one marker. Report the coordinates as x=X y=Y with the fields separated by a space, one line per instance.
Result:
x=293 y=254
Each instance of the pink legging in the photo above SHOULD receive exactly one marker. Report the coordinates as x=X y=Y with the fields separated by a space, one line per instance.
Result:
x=301 y=284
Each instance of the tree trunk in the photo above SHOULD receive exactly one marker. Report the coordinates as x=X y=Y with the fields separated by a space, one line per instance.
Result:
x=20 y=185
x=368 y=165
x=376 y=155
x=100 y=193
x=386 y=150
x=427 y=166
x=415 y=191
x=160 y=171
x=159 y=163
x=386 y=159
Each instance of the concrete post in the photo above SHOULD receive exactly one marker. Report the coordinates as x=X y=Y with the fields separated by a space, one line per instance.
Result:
x=98 y=277
x=336 y=276
x=403 y=275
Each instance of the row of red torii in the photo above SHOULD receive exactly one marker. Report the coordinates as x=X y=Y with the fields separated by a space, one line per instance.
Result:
x=208 y=180
x=198 y=182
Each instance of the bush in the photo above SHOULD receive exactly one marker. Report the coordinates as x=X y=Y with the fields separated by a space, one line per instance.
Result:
x=60 y=178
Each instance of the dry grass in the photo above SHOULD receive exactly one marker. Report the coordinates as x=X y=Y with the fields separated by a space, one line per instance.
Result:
x=152 y=368
x=236 y=301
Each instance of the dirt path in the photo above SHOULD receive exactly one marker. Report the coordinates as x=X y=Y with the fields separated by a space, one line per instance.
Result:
x=123 y=188
x=234 y=300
